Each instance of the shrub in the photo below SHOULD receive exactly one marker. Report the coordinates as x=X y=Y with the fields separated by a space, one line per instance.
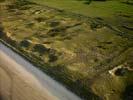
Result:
x=40 y=19
x=55 y=31
x=120 y=71
x=54 y=23
x=40 y=48
x=25 y=43
x=52 y=55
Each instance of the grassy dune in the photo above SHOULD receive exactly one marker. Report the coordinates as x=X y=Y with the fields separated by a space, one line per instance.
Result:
x=88 y=55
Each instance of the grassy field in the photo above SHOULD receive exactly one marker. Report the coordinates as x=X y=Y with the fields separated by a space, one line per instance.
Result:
x=114 y=12
x=86 y=54
x=95 y=9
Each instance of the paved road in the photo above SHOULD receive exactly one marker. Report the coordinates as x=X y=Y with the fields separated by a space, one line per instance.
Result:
x=28 y=73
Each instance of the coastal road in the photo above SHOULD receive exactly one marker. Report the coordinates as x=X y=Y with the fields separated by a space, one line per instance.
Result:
x=20 y=80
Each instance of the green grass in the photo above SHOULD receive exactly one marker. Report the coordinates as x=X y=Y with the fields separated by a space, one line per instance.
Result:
x=114 y=12
x=95 y=9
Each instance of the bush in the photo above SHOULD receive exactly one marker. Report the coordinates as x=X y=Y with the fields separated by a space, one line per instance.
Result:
x=55 y=31
x=54 y=23
x=25 y=43
x=40 y=19
x=40 y=48
x=52 y=55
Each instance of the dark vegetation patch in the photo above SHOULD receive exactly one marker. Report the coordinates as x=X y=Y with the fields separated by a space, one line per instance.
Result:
x=108 y=42
x=2 y=0
x=61 y=30
x=89 y=1
x=128 y=27
x=121 y=71
x=128 y=2
x=1 y=97
x=29 y=24
x=57 y=31
x=25 y=43
x=1 y=32
x=52 y=57
x=21 y=5
x=40 y=48
x=101 y=47
x=53 y=23
x=128 y=93
x=125 y=15
x=96 y=25
x=40 y=19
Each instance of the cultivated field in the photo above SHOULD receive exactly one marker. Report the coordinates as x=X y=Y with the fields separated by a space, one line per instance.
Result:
x=88 y=55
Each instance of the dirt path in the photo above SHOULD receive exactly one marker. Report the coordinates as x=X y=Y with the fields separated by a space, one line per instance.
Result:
x=29 y=74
